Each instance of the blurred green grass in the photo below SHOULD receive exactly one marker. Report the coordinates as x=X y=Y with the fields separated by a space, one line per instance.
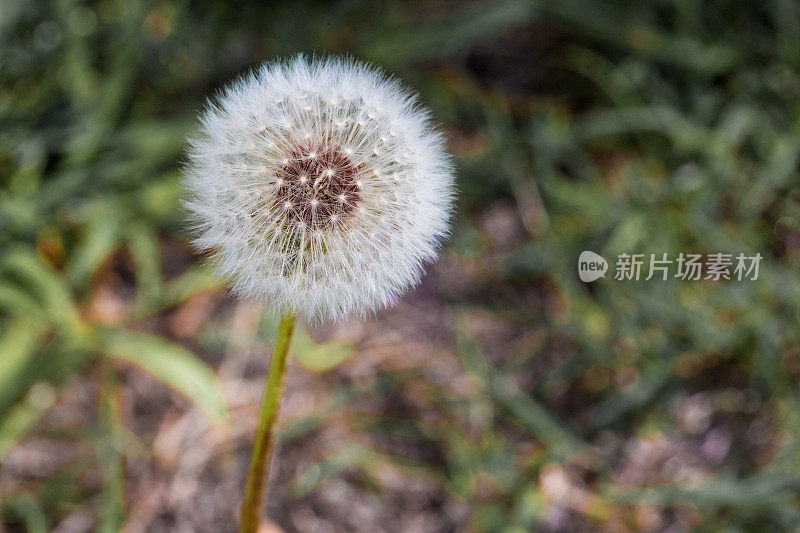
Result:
x=613 y=126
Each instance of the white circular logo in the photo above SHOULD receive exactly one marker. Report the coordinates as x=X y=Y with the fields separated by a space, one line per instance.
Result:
x=591 y=266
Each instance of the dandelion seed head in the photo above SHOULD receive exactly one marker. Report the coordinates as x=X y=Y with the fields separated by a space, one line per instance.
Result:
x=331 y=225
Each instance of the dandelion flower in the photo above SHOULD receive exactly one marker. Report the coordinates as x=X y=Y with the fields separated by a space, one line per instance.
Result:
x=319 y=186
x=322 y=188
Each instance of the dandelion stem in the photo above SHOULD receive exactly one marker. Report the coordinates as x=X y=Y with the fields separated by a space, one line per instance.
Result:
x=258 y=471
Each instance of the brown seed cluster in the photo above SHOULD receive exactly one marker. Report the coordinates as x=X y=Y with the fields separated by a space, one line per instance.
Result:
x=317 y=187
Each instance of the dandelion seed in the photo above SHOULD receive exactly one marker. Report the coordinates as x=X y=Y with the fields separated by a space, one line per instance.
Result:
x=327 y=243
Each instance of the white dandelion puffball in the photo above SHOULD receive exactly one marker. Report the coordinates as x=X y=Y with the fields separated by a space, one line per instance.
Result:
x=319 y=186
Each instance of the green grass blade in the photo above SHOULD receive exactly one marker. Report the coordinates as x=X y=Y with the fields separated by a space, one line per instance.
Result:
x=173 y=365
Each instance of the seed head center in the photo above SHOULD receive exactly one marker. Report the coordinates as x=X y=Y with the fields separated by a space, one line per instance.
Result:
x=317 y=187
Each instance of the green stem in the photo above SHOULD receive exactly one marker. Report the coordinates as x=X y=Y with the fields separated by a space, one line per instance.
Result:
x=258 y=471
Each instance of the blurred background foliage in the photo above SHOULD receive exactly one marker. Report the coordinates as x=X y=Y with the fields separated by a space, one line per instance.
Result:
x=613 y=126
